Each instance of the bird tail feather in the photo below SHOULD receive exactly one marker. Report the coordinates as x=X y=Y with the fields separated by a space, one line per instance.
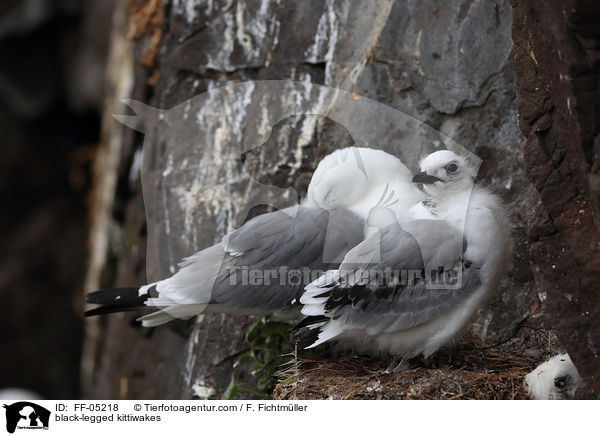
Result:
x=129 y=299
x=184 y=294
x=166 y=314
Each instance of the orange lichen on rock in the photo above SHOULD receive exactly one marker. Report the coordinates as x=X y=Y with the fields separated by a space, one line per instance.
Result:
x=146 y=21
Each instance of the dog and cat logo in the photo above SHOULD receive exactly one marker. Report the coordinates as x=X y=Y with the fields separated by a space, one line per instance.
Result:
x=26 y=415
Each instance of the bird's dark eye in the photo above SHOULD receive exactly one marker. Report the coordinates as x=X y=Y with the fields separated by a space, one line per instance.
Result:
x=451 y=168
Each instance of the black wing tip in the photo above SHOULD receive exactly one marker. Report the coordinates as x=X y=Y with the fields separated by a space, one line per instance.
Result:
x=307 y=337
x=115 y=300
x=306 y=332
x=103 y=310
x=310 y=320
x=120 y=296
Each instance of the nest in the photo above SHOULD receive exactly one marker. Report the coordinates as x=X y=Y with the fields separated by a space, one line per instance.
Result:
x=465 y=374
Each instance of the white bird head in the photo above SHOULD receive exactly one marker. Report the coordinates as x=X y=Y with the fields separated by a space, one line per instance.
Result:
x=445 y=172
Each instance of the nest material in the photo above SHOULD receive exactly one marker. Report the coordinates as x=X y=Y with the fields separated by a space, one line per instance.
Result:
x=471 y=374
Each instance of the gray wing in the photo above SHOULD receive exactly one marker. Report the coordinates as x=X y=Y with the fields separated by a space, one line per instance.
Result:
x=272 y=257
x=360 y=294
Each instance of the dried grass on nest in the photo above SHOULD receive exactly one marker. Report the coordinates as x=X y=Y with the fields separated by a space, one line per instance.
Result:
x=473 y=374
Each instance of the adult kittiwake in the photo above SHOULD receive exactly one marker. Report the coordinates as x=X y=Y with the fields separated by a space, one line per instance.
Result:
x=411 y=287
x=263 y=266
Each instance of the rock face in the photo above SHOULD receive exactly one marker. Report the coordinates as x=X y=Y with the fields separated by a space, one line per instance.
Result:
x=445 y=64
x=558 y=79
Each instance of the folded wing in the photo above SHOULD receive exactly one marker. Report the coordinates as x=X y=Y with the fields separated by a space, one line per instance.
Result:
x=260 y=268
x=396 y=279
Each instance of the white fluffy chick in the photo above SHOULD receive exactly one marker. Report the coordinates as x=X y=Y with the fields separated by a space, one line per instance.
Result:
x=555 y=379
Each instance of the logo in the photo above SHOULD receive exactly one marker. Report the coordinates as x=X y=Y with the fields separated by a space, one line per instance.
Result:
x=26 y=415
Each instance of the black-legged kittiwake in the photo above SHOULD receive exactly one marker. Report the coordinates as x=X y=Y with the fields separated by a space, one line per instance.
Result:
x=249 y=271
x=411 y=287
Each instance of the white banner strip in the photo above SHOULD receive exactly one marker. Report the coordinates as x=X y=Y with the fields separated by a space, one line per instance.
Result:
x=311 y=417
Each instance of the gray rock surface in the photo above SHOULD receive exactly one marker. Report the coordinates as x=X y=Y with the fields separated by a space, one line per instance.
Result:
x=444 y=64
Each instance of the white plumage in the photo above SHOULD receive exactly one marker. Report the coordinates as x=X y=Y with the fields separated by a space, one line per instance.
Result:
x=410 y=319
x=355 y=178
x=346 y=185
x=364 y=214
x=555 y=379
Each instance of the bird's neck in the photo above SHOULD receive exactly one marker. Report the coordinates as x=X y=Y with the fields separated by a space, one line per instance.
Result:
x=450 y=206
